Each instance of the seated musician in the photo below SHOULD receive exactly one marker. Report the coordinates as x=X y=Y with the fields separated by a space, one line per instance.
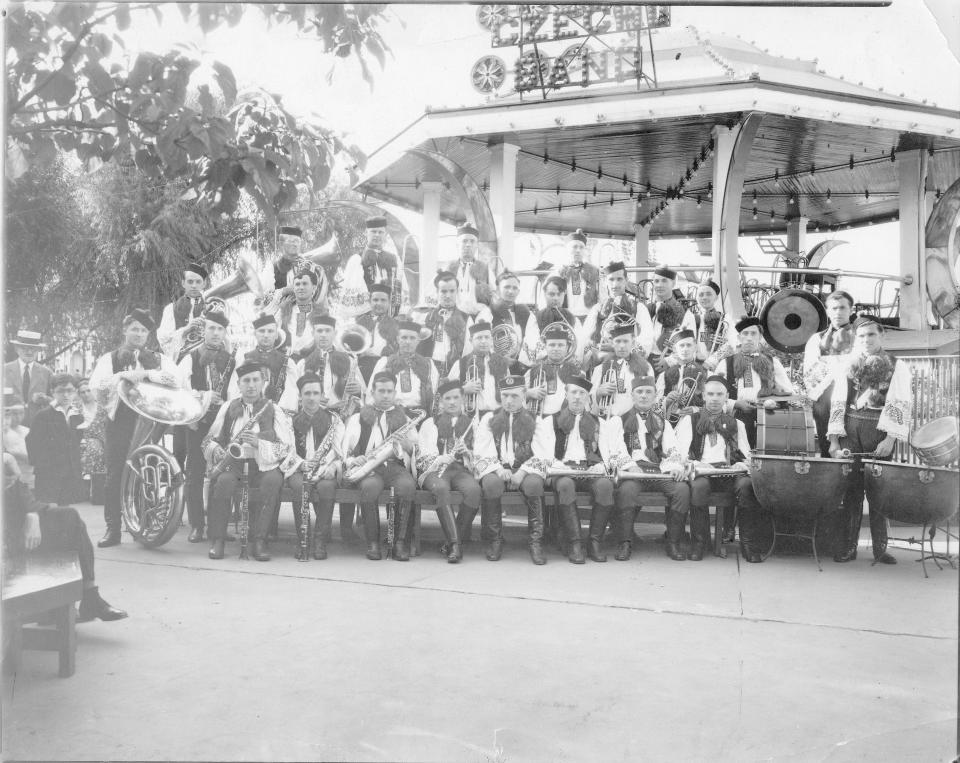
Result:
x=445 y=463
x=653 y=448
x=331 y=365
x=208 y=369
x=752 y=374
x=554 y=292
x=317 y=437
x=446 y=324
x=710 y=439
x=870 y=410
x=707 y=318
x=575 y=438
x=545 y=378
x=382 y=327
x=504 y=458
x=680 y=387
x=613 y=378
x=29 y=525
x=416 y=376
x=622 y=308
x=505 y=309
x=667 y=316
x=478 y=371
x=265 y=436
x=131 y=362
x=366 y=434
x=279 y=370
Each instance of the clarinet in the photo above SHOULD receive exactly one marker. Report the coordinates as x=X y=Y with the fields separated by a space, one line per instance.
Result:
x=302 y=554
x=244 y=509
x=391 y=514
x=281 y=379
x=224 y=378
x=309 y=478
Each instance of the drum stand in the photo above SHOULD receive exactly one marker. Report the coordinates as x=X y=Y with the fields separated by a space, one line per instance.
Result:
x=810 y=536
x=926 y=537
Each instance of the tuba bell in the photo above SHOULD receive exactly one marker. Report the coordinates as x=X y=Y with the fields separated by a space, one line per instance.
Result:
x=354 y=340
x=323 y=256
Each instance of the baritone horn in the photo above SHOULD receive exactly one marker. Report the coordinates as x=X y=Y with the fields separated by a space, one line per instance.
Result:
x=354 y=340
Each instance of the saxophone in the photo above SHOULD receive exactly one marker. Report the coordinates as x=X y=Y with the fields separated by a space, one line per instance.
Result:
x=234 y=449
x=389 y=447
x=309 y=478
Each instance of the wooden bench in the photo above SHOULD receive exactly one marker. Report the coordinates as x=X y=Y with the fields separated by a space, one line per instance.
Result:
x=33 y=586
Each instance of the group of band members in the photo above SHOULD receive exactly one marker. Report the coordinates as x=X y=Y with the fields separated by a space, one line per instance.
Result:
x=648 y=395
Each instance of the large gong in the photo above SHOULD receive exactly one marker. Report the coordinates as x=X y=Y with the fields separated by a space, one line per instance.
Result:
x=790 y=317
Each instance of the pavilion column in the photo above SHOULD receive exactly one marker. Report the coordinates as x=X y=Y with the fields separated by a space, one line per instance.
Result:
x=430 y=236
x=797 y=235
x=641 y=243
x=503 y=183
x=912 y=174
x=731 y=153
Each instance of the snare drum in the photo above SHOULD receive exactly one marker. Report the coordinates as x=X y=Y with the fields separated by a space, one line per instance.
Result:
x=786 y=431
x=936 y=442
x=923 y=495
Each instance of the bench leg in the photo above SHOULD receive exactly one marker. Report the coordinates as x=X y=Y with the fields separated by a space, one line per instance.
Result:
x=13 y=649
x=718 y=532
x=66 y=620
x=415 y=546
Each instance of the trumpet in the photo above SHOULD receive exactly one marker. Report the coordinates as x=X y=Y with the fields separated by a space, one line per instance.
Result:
x=534 y=405
x=720 y=335
x=577 y=472
x=687 y=389
x=605 y=402
x=471 y=399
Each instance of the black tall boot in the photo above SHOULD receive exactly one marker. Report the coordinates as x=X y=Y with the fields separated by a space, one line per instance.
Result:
x=674 y=544
x=851 y=535
x=401 y=536
x=448 y=524
x=878 y=536
x=571 y=525
x=465 y=519
x=598 y=523
x=321 y=532
x=625 y=517
x=535 y=528
x=491 y=523
x=699 y=532
x=371 y=529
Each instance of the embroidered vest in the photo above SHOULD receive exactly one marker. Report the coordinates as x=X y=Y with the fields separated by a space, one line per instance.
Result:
x=583 y=280
x=320 y=423
x=727 y=428
x=123 y=360
x=589 y=430
x=338 y=363
x=628 y=306
x=235 y=411
x=554 y=374
x=549 y=315
x=652 y=446
x=386 y=327
x=447 y=434
x=184 y=310
x=417 y=365
x=522 y=431
x=396 y=418
x=499 y=367
x=671 y=378
x=501 y=314
x=455 y=327
x=198 y=375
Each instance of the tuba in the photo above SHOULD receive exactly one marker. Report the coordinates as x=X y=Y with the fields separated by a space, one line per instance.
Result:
x=353 y=339
x=152 y=482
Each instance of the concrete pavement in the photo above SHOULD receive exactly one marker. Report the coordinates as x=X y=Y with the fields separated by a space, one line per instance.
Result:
x=349 y=659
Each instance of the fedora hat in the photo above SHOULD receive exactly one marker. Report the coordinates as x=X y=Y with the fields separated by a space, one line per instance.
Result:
x=28 y=339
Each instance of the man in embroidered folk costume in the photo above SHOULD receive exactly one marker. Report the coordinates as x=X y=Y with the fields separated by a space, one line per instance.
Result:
x=667 y=316
x=294 y=312
x=446 y=461
x=826 y=354
x=317 y=438
x=546 y=379
x=653 y=448
x=278 y=369
x=707 y=318
x=871 y=408
x=417 y=377
x=575 y=438
x=553 y=311
x=26 y=376
x=619 y=308
x=478 y=371
x=752 y=375
x=184 y=313
x=447 y=325
x=53 y=444
x=506 y=311
x=710 y=439
x=366 y=432
x=505 y=459
x=612 y=379
x=207 y=370
x=134 y=363
x=382 y=327
x=290 y=245
x=331 y=365
x=476 y=280
x=264 y=446
x=583 y=278
x=680 y=387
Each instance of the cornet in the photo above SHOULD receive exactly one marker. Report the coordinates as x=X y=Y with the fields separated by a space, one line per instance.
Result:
x=605 y=402
x=471 y=399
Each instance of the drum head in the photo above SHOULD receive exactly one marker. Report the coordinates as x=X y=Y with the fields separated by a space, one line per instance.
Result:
x=937 y=432
x=790 y=317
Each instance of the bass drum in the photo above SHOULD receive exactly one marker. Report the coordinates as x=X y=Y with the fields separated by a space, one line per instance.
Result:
x=786 y=431
x=790 y=317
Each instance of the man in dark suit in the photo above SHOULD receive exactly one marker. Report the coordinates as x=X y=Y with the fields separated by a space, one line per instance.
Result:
x=53 y=444
x=26 y=376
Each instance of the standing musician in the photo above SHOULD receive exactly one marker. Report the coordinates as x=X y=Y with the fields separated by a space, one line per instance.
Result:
x=184 y=313
x=576 y=438
x=506 y=310
x=546 y=378
x=312 y=426
x=416 y=376
x=554 y=292
x=707 y=317
x=26 y=376
x=714 y=438
x=612 y=379
x=870 y=409
x=445 y=463
x=290 y=243
x=278 y=369
x=476 y=280
x=382 y=327
x=448 y=324
x=826 y=354
x=366 y=432
x=505 y=456
x=294 y=311
x=207 y=369
x=478 y=371
x=264 y=443
x=667 y=316
x=371 y=266
x=622 y=308
x=680 y=387
x=133 y=362
x=753 y=374
x=330 y=365
x=653 y=448
x=582 y=277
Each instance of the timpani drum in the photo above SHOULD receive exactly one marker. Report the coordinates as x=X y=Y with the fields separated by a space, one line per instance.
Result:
x=786 y=431
x=911 y=493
